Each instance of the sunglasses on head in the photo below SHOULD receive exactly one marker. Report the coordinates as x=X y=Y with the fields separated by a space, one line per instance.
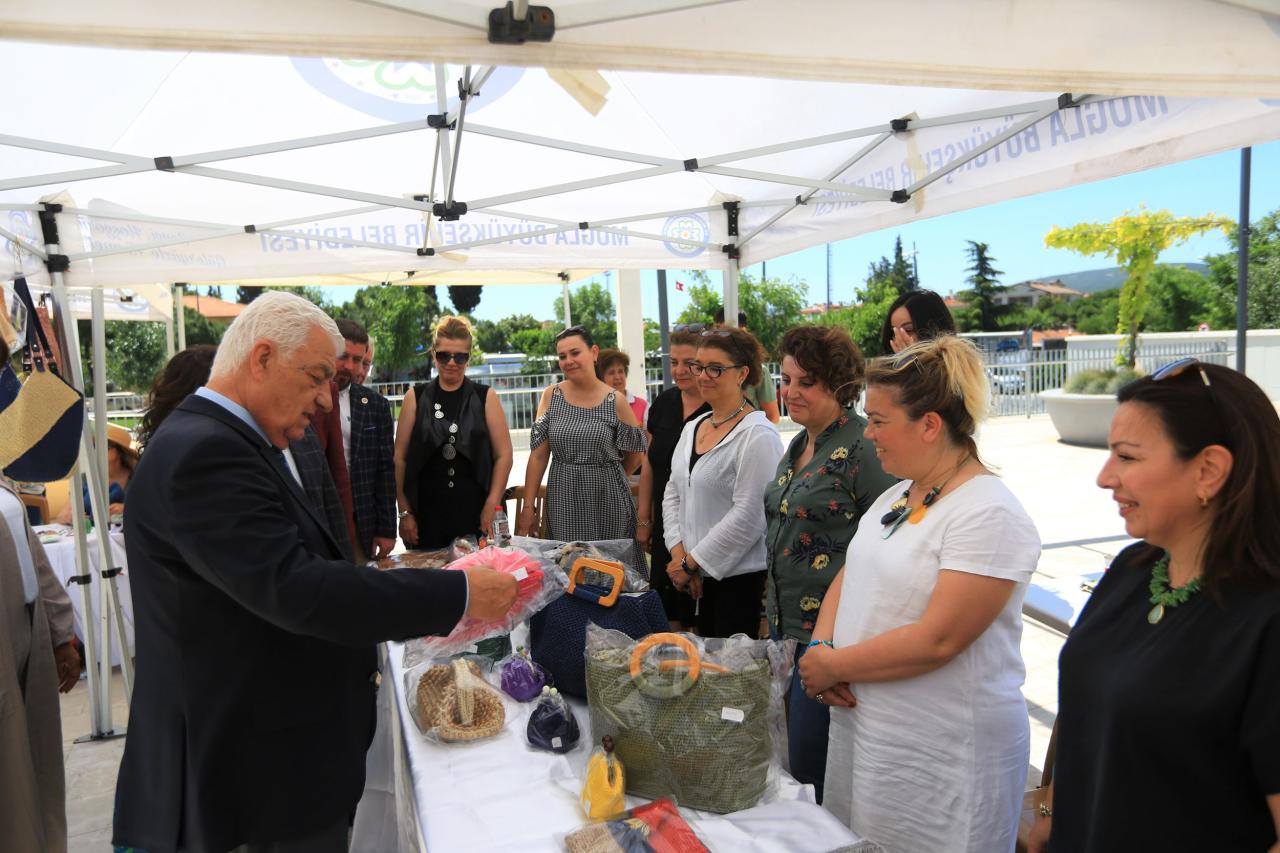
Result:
x=1181 y=366
x=716 y=333
x=580 y=331
x=688 y=327
x=457 y=357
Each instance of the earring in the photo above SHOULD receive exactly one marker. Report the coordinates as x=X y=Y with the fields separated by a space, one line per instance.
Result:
x=1204 y=502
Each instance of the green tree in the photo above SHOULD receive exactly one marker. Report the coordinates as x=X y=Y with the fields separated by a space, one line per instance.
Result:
x=984 y=286
x=865 y=319
x=135 y=352
x=399 y=319
x=1264 y=277
x=1181 y=299
x=465 y=297
x=1133 y=241
x=895 y=272
x=245 y=295
x=1096 y=314
x=200 y=329
x=591 y=306
x=496 y=336
x=772 y=306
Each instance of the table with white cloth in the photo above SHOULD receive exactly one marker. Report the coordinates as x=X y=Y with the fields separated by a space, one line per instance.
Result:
x=60 y=545
x=502 y=795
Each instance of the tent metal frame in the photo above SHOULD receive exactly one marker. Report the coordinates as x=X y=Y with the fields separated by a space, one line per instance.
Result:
x=439 y=202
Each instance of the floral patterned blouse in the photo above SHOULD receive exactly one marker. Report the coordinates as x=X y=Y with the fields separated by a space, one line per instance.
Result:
x=812 y=515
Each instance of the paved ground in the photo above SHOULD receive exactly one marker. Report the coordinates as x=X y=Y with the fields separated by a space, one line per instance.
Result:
x=1078 y=525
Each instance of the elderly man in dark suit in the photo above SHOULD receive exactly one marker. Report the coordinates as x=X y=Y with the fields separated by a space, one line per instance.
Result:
x=253 y=703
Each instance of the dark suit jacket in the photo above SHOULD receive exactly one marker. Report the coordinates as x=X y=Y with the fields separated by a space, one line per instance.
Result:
x=318 y=483
x=373 y=467
x=253 y=703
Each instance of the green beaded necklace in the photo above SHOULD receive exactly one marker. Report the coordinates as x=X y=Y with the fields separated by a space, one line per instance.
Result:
x=1161 y=595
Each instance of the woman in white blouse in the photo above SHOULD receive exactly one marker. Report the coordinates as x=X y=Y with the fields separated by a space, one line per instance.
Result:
x=713 y=509
x=923 y=624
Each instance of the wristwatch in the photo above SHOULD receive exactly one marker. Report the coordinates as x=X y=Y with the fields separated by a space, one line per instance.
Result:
x=691 y=571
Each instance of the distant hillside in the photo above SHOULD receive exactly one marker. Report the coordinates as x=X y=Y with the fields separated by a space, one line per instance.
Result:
x=1108 y=278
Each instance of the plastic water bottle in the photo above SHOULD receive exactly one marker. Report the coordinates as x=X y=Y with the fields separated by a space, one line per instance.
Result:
x=501 y=533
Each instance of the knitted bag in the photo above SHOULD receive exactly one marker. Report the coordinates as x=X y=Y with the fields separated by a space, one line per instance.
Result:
x=685 y=727
x=455 y=704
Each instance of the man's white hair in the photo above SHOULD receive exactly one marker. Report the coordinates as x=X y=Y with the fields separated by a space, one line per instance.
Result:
x=282 y=318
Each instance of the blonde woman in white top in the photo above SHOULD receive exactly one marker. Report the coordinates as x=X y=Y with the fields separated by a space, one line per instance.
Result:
x=713 y=508
x=923 y=624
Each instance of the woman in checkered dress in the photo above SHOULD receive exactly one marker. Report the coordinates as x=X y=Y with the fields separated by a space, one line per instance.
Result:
x=590 y=437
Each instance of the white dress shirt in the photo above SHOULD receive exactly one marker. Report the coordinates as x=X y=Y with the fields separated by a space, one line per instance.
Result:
x=344 y=409
x=15 y=515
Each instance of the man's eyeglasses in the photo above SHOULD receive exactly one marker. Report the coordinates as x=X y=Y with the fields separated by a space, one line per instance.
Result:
x=715 y=371
x=456 y=357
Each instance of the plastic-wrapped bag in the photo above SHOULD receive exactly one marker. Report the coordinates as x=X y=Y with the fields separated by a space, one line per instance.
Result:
x=520 y=677
x=436 y=558
x=696 y=719
x=451 y=702
x=655 y=827
x=552 y=725
x=537 y=584
x=604 y=789
x=624 y=551
x=463 y=546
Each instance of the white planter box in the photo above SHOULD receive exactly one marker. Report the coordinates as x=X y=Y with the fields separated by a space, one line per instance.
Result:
x=1080 y=418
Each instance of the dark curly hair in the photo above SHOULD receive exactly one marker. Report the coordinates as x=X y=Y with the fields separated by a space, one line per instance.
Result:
x=741 y=346
x=829 y=355
x=184 y=373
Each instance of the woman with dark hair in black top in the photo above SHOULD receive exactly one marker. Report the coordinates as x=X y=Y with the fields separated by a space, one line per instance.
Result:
x=917 y=315
x=671 y=410
x=1169 y=685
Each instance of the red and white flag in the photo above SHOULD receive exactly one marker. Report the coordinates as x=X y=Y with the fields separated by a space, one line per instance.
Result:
x=679 y=285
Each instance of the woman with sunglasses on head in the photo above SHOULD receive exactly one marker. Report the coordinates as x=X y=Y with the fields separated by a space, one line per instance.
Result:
x=588 y=434
x=453 y=449
x=820 y=493
x=923 y=624
x=1169 y=684
x=917 y=315
x=671 y=411
x=713 y=508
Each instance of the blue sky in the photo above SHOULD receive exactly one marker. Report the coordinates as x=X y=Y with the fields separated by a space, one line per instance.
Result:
x=1014 y=230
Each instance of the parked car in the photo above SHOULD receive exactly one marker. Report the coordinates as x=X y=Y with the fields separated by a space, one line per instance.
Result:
x=1008 y=372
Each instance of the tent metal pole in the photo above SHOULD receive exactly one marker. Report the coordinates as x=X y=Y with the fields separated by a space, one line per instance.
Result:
x=730 y=291
x=302 y=187
x=442 y=133
x=995 y=141
x=1242 y=261
x=796 y=181
x=299 y=143
x=73 y=175
x=179 y=297
x=664 y=329
x=568 y=313
x=630 y=319
x=831 y=176
x=195 y=223
x=99 y=726
x=474 y=88
x=457 y=147
x=572 y=186
x=76 y=151
x=23 y=245
x=109 y=614
x=576 y=147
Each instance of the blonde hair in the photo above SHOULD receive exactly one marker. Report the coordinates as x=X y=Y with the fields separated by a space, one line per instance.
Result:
x=453 y=327
x=943 y=375
x=282 y=318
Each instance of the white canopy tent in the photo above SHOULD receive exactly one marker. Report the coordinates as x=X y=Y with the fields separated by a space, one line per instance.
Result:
x=236 y=166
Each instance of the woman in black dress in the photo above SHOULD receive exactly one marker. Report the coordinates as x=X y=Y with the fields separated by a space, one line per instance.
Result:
x=1169 y=703
x=453 y=449
x=671 y=410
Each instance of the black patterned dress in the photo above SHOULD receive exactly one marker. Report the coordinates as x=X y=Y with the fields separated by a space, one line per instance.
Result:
x=588 y=496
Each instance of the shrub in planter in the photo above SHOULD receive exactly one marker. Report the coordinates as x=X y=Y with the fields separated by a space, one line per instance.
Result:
x=1100 y=381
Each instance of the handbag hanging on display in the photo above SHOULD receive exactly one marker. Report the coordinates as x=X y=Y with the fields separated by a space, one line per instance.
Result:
x=42 y=418
x=692 y=719
x=557 y=634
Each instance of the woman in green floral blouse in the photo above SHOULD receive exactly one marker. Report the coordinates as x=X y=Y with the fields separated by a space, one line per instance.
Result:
x=825 y=481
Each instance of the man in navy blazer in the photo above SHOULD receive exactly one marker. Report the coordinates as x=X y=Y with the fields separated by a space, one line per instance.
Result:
x=368 y=441
x=253 y=703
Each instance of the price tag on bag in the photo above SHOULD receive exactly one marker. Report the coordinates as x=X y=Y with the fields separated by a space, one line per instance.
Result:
x=520 y=574
x=732 y=715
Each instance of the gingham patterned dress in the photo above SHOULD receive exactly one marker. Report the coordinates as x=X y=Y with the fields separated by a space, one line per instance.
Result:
x=588 y=497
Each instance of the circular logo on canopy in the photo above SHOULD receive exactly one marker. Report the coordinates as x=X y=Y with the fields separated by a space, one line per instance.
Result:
x=688 y=226
x=396 y=91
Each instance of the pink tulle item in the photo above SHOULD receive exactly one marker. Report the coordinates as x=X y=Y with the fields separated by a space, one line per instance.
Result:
x=528 y=576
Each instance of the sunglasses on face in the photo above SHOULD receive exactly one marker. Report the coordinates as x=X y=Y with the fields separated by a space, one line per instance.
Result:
x=715 y=371
x=457 y=357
